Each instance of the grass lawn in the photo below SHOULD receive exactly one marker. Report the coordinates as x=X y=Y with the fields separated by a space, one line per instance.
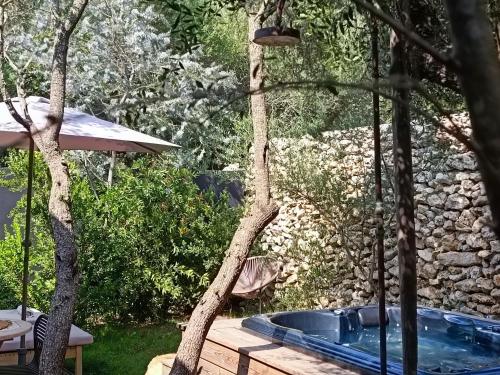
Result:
x=127 y=350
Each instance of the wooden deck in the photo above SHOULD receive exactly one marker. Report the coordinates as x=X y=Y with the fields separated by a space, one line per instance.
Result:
x=232 y=350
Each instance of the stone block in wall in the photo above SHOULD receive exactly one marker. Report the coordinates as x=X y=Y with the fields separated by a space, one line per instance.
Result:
x=458 y=296
x=486 y=285
x=443 y=179
x=479 y=201
x=474 y=272
x=434 y=200
x=486 y=310
x=457 y=202
x=467 y=285
x=430 y=293
x=425 y=254
x=482 y=299
x=457 y=277
x=496 y=280
x=463 y=259
x=429 y=271
x=495 y=260
x=475 y=241
x=449 y=242
x=465 y=221
x=462 y=162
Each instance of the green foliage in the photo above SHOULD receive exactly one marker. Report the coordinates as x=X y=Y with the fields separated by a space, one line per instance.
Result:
x=41 y=276
x=225 y=40
x=324 y=269
x=41 y=284
x=341 y=207
x=151 y=243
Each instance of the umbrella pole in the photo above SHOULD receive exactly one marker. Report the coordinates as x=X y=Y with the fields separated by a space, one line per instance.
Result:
x=27 y=243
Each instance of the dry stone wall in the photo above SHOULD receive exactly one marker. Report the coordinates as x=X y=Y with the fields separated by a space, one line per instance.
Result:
x=458 y=253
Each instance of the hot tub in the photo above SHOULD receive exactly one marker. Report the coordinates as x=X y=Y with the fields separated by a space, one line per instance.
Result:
x=449 y=343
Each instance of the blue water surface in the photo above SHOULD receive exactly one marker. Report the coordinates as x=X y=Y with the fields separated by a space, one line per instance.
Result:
x=437 y=353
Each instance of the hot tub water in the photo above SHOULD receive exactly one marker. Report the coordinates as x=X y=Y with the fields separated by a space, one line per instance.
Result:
x=449 y=343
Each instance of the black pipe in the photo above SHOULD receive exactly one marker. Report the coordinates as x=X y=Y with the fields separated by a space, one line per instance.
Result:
x=379 y=205
x=27 y=243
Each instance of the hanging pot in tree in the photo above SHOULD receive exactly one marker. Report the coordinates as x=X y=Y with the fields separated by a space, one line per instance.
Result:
x=277 y=36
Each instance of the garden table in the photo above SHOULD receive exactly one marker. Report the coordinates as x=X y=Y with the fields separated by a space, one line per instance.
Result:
x=9 y=351
x=16 y=328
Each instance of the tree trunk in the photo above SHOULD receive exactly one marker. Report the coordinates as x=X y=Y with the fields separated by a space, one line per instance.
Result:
x=495 y=23
x=379 y=199
x=261 y=213
x=112 y=163
x=475 y=51
x=405 y=221
x=47 y=141
x=64 y=298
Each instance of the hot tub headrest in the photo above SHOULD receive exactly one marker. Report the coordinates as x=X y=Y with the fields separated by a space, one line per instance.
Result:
x=368 y=316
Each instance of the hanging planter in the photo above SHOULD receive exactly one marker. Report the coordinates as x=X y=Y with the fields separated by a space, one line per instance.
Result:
x=278 y=35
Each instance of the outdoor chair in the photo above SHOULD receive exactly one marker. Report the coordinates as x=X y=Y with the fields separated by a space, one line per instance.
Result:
x=257 y=279
x=39 y=331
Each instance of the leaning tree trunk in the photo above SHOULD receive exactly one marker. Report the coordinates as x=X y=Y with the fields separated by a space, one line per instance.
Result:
x=403 y=174
x=479 y=74
x=261 y=213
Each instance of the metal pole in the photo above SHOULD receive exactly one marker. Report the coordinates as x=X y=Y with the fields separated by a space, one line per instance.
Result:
x=405 y=215
x=27 y=243
x=379 y=205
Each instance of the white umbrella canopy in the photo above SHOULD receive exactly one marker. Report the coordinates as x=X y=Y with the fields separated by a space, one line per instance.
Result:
x=79 y=131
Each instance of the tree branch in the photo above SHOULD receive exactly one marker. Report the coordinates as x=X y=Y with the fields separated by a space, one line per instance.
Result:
x=411 y=35
x=26 y=123
x=59 y=65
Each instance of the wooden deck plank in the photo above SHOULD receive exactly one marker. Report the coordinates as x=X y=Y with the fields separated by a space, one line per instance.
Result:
x=263 y=354
x=235 y=362
x=204 y=368
x=208 y=368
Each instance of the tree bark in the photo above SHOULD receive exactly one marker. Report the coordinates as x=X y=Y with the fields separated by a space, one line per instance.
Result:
x=379 y=199
x=405 y=220
x=64 y=298
x=261 y=213
x=476 y=54
x=495 y=23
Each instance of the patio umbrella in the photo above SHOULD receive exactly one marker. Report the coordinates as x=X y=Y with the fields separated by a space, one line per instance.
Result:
x=79 y=131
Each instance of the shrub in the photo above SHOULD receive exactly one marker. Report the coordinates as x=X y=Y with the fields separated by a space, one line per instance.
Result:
x=41 y=274
x=148 y=246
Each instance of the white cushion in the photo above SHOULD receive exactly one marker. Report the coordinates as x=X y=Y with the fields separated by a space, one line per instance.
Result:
x=77 y=336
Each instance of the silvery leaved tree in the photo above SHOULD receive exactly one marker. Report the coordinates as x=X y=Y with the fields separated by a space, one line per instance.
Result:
x=125 y=69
